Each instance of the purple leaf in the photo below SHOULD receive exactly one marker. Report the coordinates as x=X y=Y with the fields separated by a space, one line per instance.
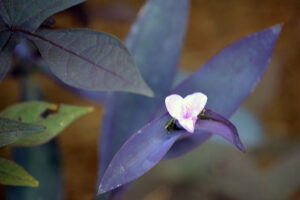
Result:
x=231 y=75
x=148 y=146
x=156 y=46
x=28 y=15
x=220 y=126
x=7 y=45
x=89 y=60
x=96 y=96
x=187 y=144
x=139 y=154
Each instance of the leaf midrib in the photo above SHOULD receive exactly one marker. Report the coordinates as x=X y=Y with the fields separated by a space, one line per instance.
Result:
x=74 y=54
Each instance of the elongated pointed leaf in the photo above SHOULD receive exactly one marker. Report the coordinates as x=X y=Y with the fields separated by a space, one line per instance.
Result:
x=187 y=144
x=155 y=41
x=139 y=154
x=29 y=14
x=250 y=132
x=13 y=174
x=149 y=145
x=44 y=163
x=250 y=128
x=89 y=60
x=12 y=130
x=55 y=118
x=232 y=74
x=220 y=126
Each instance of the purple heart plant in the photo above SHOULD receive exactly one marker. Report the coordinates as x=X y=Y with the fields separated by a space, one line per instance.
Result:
x=138 y=132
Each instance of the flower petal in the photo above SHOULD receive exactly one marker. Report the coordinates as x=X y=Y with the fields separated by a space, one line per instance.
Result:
x=188 y=124
x=174 y=104
x=211 y=123
x=197 y=102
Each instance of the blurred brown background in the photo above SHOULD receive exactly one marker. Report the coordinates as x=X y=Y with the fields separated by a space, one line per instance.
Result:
x=213 y=25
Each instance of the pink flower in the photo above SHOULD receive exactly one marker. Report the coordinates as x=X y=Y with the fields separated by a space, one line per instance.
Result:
x=186 y=110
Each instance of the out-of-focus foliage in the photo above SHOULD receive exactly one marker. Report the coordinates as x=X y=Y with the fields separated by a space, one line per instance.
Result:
x=13 y=174
x=42 y=161
x=54 y=117
x=221 y=172
x=12 y=130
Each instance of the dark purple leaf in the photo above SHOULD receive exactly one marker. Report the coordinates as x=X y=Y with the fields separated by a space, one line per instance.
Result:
x=220 y=126
x=7 y=45
x=139 y=154
x=29 y=14
x=89 y=60
x=96 y=96
x=185 y=145
x=148 y=146
x=231 y=75
x=155 y=41
x=25 y=15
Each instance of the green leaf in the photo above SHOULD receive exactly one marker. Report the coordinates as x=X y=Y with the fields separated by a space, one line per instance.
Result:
x=13 y=174
x=43 y=162
x=54 y=117
x=12 y=131
x=89 y=60
x=29 y=14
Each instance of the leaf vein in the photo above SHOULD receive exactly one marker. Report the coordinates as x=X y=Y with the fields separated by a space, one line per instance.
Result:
x=39 y=12
x=75 y=54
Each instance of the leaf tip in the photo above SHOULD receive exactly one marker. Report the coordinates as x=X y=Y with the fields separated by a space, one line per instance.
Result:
x=90 y=109
x=239 y=144
x=241 y=147
x=35 y=183
x=276 y=29
x=145 y=90
x=100 y=190
x=150 y=93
